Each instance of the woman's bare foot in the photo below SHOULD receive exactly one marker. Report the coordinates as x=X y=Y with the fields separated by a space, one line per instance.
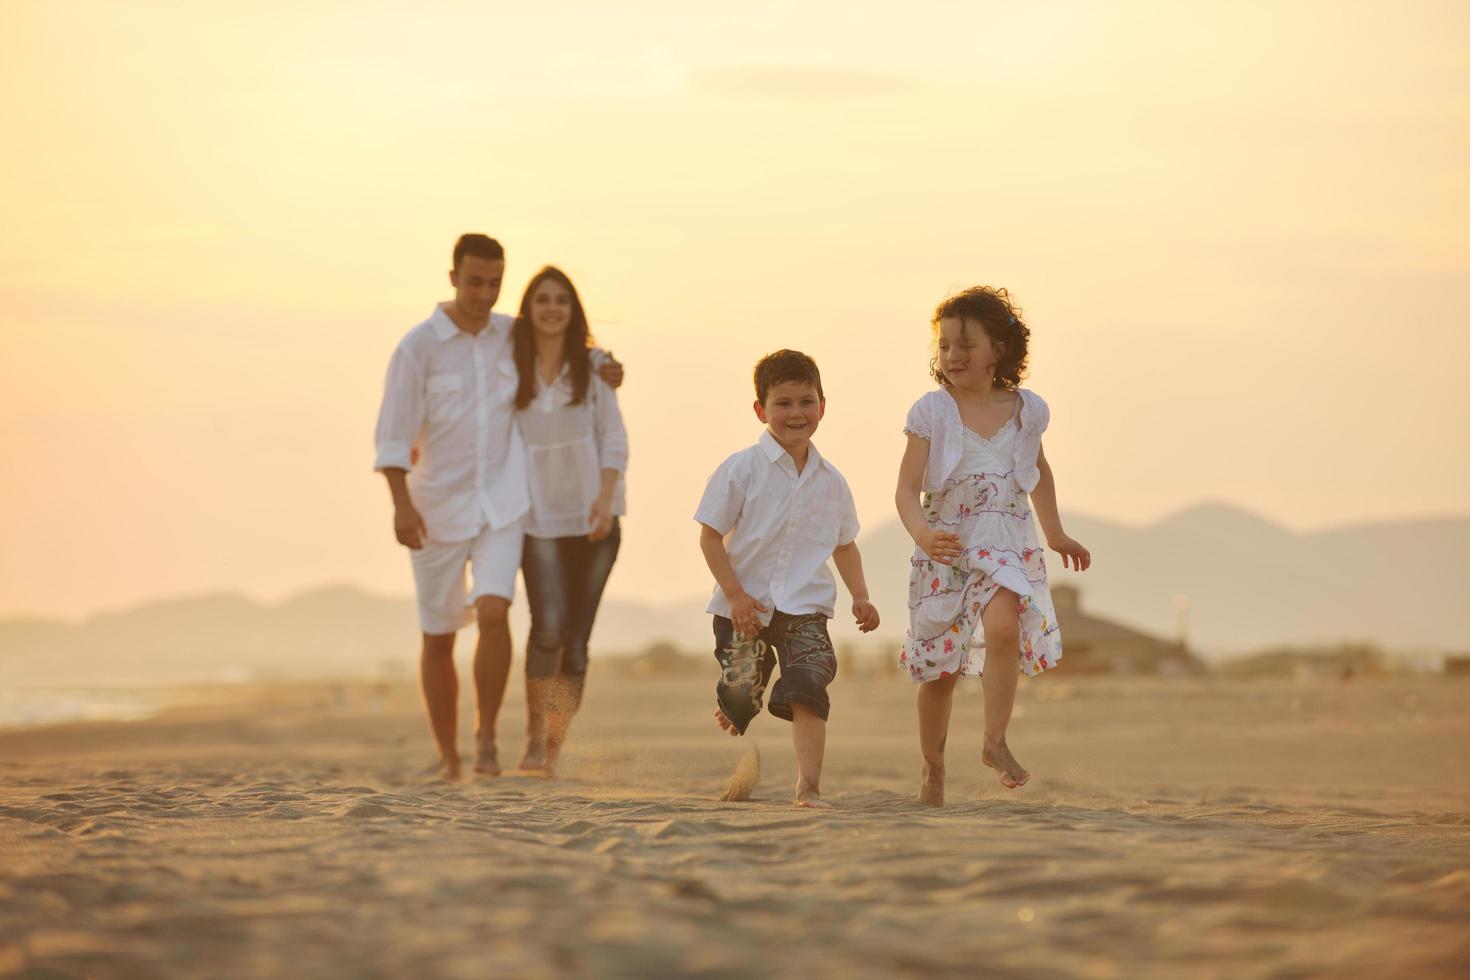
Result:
x=809 y=798
x=998 y=756
x=931 y=785
x=486 y=761
x=535 y=759
x=726 y=723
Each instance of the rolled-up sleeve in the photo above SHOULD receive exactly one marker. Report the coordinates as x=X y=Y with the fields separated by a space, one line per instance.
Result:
x=402 y=413
x=607 y=423
x=724 y=495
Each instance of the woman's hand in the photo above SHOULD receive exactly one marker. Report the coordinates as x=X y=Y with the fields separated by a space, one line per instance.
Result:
x=601 y=518
x=1071 y=551
x=942 y=546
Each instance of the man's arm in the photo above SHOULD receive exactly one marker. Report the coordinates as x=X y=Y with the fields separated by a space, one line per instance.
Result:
x=399 y=420
x=408 y=526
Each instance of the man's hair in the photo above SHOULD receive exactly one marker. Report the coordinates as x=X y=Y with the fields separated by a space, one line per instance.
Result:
x=480 y=246
x=786 y=365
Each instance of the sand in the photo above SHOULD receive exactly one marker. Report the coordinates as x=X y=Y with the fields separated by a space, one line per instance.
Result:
x=1173 y=828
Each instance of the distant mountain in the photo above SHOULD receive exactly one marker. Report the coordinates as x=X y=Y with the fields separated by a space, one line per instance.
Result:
x=1249 y=584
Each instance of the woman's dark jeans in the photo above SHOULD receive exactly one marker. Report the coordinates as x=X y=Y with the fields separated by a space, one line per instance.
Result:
x=564 y=582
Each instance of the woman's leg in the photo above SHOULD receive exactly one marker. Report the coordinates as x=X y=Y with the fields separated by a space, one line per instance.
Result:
x=1001 y=620
x=586 y=566
x=541 y=564
x=935 y=699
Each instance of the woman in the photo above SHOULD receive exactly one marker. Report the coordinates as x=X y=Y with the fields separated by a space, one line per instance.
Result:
x=577 y=450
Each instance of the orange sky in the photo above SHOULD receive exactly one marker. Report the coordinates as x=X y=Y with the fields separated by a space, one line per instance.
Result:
x=1238 y=231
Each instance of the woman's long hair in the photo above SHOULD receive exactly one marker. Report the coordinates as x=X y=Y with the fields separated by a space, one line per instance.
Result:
x=574 y=352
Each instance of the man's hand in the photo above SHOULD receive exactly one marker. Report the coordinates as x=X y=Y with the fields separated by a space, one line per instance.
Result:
x=942 y=546
x=601 y=518
x=866 y=615
x=611 y=371
x=408 y=526
x=745 y=613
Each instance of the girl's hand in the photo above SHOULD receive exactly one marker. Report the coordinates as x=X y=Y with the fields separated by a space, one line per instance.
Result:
x=942 y=546
x=866 y=614
x=601 y=518
x=1072 y=551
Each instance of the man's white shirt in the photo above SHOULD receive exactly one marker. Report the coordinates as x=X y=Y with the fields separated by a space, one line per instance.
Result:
x=451 y=395
x=780 y=527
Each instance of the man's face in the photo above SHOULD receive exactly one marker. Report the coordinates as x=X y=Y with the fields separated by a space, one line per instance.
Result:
x=792 y=411
x=477 y=286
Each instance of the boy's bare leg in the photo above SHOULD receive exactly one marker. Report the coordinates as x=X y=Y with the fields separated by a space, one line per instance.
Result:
x=809 y=736
x=935 y=700
x=1002 y=623
x=440 y=685
x=492 y=669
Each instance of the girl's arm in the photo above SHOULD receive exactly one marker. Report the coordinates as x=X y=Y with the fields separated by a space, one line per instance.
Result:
x=1044 y=502
x=942 y=546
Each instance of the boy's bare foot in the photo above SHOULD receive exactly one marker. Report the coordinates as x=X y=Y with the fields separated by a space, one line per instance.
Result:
x=931 y=785
x=808 y=797
x=998 y=756
x=487 y=762
x=726 y=723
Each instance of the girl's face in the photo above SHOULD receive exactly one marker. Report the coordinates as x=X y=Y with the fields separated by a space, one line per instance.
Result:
x=967 y=355
x=551 y=308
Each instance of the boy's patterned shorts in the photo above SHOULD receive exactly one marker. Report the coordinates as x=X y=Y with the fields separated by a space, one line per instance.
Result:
x=808 y=664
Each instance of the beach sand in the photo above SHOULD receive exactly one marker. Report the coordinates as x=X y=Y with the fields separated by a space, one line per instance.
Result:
x=1173 y=828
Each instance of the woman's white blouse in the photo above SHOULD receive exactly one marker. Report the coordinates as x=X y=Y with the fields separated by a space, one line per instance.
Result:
x=936 y=417
x=567 y=448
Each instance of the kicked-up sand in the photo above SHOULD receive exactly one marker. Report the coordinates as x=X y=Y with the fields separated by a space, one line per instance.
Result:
x=1172 y=828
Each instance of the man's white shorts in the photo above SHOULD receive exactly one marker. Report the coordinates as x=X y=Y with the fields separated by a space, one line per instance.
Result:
x=439 y=576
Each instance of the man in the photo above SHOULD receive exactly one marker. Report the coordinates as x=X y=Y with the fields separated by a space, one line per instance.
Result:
x=448 y=445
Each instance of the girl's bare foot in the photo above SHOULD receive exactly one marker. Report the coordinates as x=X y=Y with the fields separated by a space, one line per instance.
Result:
x=808 y=798
x=726 y=723
x=486 y=761
x=931 y=785
x=998 y=756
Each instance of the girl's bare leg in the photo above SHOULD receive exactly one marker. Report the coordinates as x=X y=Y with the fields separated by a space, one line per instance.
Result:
x=935 y=699
x=1001 y=620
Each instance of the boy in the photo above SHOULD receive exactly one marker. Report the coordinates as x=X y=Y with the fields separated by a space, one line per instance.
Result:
x=770 y=518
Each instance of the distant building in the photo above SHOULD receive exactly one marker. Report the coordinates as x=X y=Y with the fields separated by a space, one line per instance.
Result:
x=1091 y=644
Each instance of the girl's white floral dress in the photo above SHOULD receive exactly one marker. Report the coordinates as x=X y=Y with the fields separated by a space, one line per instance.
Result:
x=977 y=488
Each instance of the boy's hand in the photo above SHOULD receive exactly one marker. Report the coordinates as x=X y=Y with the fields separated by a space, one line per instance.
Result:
x=611 y=371
x=1072 y=551
x=942 y=546
x=866 y=614
x=745 y=614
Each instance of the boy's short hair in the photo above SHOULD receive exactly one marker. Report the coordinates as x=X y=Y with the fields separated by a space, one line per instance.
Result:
x=480 y=246
x=786 y=365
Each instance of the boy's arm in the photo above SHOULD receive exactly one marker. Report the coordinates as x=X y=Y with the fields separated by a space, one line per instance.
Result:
x=744 y=610
x=942 y=546
x=849 y=562
x=1044 y=502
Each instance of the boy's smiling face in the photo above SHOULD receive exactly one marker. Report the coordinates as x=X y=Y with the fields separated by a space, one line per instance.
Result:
x=792 y=411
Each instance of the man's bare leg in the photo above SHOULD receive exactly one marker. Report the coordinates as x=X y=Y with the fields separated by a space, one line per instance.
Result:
x=492 y=670
x=809 y=736
x=935 y=701
x=1002 y=623
x=440 y=685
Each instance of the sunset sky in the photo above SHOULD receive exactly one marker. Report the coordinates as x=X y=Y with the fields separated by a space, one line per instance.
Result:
x=1240 y=233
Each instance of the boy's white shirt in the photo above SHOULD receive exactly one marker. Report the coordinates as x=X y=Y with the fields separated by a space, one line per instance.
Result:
x=779 y=527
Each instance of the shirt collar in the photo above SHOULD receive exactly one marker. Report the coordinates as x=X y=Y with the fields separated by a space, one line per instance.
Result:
x=774 y=450
x=445 y=327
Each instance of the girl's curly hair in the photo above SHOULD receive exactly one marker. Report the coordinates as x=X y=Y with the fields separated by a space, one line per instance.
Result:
x=991 y=307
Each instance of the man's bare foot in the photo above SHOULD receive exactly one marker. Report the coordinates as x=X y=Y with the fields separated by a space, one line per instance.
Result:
x=450 y=770
x=487 y=762
x=726 y=723
x=810 y=798
x=931 y=785
x=998 y=756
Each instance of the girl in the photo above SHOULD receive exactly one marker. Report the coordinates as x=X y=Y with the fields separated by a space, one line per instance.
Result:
x=974 y=452
x=576 y=451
